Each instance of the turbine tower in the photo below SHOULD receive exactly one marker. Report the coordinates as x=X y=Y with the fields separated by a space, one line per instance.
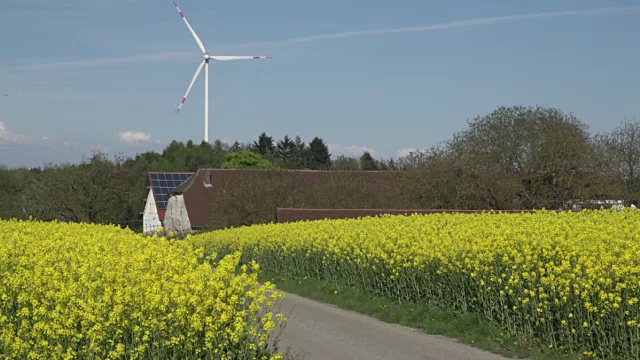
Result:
x=205 y=64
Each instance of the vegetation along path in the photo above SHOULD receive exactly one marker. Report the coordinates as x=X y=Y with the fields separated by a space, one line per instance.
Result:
x=319 y=331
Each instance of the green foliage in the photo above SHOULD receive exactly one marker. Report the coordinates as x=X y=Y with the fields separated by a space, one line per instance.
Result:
x=178 y=157
x=318 y=156
x=299 y=154
x=236 y=147
x=284 y=149
x=467 y=327
x=264 y=145
x=367 y=162
x=345 y=163
x=511 y=158
x=12 y=183
x=96 y=190
x=246 y=160
x=507 y=268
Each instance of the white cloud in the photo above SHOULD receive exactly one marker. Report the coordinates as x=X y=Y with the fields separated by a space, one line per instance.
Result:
x=352 y=151
x=405 y=151
x=9 y=137
x=149 y=58
x=134 y=137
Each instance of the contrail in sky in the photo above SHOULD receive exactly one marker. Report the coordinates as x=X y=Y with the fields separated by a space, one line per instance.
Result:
x=107 y=61
x=625 y=10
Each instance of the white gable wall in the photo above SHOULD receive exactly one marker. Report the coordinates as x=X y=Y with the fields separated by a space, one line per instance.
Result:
x=150 y=217
x=176 y=219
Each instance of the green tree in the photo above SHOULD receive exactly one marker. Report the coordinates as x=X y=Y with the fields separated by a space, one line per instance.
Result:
x=346 y=163
x=285 y=149
x=264 y=145
x=389 y=165
x=180 y=157
x=96 y=190
x=12 y=191
x=246 y=160
x=368 y=163
x=235 y=147
x=318 y=155
x=300 y=154
x=220 y=146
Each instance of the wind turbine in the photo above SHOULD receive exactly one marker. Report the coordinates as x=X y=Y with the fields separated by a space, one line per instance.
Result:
x=205 y=64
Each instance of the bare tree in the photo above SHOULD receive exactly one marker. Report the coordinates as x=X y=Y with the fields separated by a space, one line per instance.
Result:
x=96 y=190
x=621 y=152
x=534 y=157
x=343 y=162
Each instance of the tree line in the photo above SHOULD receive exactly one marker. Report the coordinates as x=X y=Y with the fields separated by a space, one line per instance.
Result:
x=527 y=158
x=512 y=158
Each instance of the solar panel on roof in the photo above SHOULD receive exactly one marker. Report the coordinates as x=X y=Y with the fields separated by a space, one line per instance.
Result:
x=163 y=183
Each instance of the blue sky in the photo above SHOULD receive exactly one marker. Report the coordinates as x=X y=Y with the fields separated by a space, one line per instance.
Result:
x=382 y=76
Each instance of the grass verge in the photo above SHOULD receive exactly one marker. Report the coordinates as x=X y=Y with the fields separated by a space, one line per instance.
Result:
x=467 y=328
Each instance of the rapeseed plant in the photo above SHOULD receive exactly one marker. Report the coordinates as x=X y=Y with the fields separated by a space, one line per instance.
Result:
x=571 y=280
x=79 y=291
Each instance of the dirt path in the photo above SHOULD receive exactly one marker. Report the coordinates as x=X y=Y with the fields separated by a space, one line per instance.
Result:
x=320 y=331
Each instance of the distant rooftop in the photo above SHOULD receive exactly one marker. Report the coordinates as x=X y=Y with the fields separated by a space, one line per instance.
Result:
x=163 y=182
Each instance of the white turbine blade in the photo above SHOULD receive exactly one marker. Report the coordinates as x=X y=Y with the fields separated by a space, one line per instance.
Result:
x=195 y=77
x=231 y=58
x=195 y=36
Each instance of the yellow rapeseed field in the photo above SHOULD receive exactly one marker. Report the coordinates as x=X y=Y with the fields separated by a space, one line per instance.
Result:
x=79 y=291
x=571 y=280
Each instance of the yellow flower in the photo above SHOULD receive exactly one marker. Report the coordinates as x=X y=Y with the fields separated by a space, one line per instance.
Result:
x=78 y=291
x=523 y=271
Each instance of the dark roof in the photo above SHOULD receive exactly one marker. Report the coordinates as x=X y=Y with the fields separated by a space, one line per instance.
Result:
x=163 y=182
x=182 y=187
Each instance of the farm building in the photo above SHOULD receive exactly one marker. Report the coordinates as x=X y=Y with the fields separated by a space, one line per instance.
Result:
x=160 y=186
x=220 y=198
